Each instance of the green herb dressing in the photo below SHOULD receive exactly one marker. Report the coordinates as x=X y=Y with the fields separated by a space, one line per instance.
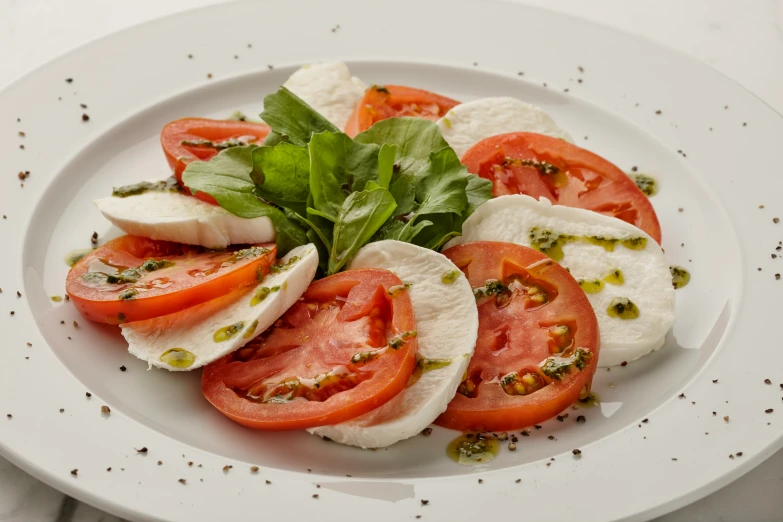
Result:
x=551 y=244
x=449 y=277
x=250 y=330
x=622 y=308
x=680 y=277
x=166 y=185
x=227 y=332
x=646 y=184
x=74 y=256
x=471 y=449
x=178 y=358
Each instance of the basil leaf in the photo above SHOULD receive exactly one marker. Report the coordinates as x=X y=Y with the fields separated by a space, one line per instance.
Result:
x=226 y=177
x=292 y=119
x=282 y=175
x=339 y=166
x=361 y=215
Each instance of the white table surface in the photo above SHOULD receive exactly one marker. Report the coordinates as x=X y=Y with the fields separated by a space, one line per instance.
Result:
x=742 y=39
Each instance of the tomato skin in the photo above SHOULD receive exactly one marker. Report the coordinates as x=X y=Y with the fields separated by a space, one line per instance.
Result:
x=101 y=303
x=516 y=338
x=179 y=155
x=585 y=180
x=390 y=101
x=314 y=336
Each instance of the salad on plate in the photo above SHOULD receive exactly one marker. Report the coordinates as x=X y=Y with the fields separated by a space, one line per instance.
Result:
x=363 y=262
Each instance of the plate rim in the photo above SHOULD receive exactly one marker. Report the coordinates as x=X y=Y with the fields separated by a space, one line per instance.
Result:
x=74 y=489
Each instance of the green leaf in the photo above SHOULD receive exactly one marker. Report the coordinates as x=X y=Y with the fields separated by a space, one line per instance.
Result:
x=282 y=175
x=442 y=228
x=292 y=119
x=442 y=190
x=415 y=139
x=478 y=191
x=339 y=166
x=404 y=191
x=361 y=215
x=386 y=158
x=226 y=177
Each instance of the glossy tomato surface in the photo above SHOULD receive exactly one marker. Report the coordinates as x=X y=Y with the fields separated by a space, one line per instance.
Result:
x=542 y=166
x=134 y=278
x=537 y=347
x=191 y=139
x=394 y=101
x=345 y=348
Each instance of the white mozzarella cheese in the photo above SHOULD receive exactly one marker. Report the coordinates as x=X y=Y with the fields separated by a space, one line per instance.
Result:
x=194 y=329
x=648 y=281
x=328 y=88
x=447 y=328
x=172 y=216
x=469 y=123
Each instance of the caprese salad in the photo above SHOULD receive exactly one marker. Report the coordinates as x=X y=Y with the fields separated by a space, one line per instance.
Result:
x=368 y=261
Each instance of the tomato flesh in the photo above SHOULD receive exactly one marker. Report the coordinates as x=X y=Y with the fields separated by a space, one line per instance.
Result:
x=134 y=278
x=342 y=350
x=537 y=347
x=191 y=139
x=542 y=166
x=395 y=101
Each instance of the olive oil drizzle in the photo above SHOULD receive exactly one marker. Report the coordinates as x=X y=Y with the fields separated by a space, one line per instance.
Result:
x=551 y=243
x=680 y=277
x=471 y=449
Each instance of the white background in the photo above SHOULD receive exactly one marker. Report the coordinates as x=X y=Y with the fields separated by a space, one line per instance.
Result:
x=742 y=39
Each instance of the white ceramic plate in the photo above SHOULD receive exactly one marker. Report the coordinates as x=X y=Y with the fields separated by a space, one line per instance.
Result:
x=713 y=146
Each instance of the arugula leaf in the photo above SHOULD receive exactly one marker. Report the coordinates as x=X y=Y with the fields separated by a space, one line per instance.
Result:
x=404 y=191
x=478 y=191
x=442 y=190
x=282 y=174
x=361 y=215
x=415 y=139
x=386 y=157
x=226 y=177
x=340 y=166
x=292 y=119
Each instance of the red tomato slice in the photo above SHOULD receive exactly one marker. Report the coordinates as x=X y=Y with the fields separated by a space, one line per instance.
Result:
x=394 y=101
x=542 y=166
x=133 y=278
x=537 y=344
x=344 y=349
x=192 y=139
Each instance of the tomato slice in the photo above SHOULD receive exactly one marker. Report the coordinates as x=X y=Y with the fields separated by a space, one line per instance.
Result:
x=192 y=139
x=344 y=349
x=394 y=101
x=133 y=278
x=542 y=166
x=537 y=345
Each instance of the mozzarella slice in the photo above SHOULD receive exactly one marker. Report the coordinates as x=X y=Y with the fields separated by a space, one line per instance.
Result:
x=198 y=330
x=172 y=216
x=328 y=88
x=447 y=327
x=648 y=281
x=469 y=123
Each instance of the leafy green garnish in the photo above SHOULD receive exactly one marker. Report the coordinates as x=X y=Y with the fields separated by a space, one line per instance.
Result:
x=282 y=175
x=339 y=166
x=226 y=177
x=361 y=215
x=292 y=119
x=398 y=180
